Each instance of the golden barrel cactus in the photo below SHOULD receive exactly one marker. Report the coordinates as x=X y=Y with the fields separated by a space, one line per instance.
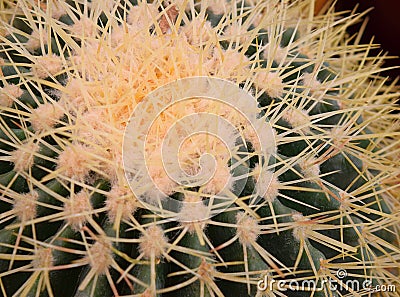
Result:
x=194 y=148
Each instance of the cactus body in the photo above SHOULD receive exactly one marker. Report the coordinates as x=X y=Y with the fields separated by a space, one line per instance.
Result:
x=324 y=197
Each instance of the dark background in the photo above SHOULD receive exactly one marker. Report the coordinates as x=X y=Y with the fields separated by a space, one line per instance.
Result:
x=384 y=24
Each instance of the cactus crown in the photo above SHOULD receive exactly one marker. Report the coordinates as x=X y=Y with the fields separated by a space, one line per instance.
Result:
x=303 y=178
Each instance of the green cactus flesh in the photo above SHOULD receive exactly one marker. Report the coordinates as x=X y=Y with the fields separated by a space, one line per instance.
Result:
x=71 y=75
